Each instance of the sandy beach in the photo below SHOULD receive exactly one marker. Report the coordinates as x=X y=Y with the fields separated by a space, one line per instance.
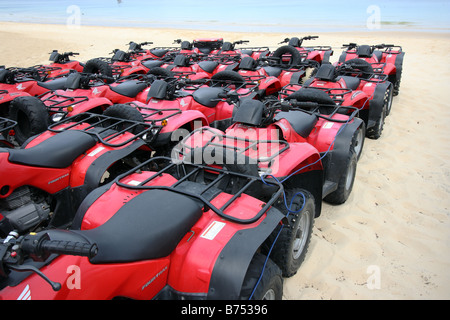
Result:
x=391 y=239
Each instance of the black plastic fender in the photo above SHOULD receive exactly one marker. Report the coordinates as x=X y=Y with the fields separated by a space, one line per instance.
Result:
x=336 y=159
x=376 y=104
x=232 y=264
x=399 y=64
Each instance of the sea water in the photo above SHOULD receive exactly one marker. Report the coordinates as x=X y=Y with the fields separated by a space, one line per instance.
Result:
x=238 y=15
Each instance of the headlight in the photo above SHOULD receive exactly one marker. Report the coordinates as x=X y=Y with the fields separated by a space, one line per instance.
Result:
x=57 y=117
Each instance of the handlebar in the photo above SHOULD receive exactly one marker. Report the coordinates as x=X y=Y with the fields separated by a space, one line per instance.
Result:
x=38 y=246
x=241 y=41
x=310 y=37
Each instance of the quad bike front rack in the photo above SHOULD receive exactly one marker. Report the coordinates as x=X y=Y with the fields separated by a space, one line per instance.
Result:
x=6 y=125
x=107 y=128
x=59 y=103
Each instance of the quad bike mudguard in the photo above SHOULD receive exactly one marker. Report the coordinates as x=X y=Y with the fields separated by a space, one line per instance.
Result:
x=338 y=155
x=377 y=104
x=230 y=269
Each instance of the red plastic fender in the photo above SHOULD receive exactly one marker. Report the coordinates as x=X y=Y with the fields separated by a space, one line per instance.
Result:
x=194 y=117
x=271 y=85
x=89 y=105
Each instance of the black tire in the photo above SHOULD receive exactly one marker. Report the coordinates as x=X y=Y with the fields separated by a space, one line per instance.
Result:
x=388 y=98
x=31 y=116
x=270 y=287
x=358 y=140
x=290 y=248
x=126 y=112
x=224 y=77
x=346 y=181
x=296 y=58
x=161 y=72
x=98 y=66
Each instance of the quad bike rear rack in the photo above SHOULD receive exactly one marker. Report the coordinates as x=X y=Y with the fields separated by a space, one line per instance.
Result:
x=317 y=48
x=45 y=71
x=250 y=145
x=377 y=76
x=152 y=112
x=216 y=178
x=336 y=94
x=107 y=128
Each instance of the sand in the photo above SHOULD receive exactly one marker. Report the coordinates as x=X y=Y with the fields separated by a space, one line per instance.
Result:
x=391 y=239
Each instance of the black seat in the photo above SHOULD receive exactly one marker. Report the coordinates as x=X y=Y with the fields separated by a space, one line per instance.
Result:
x=57 y=84
x=208 y=66
x=159 y=52
x=152 y=63
x=58 y=151
x=129 y=88
x=350 y=82
x=301 y=122
x=149 y=226
x=273 y=71
x=208 y=97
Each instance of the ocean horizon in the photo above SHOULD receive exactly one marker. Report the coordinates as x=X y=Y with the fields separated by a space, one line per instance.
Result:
x=244 y=16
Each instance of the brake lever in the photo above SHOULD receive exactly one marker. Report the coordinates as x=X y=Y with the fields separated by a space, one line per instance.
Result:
x=56 y=286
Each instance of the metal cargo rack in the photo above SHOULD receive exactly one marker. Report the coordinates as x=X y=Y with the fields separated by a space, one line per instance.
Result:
x=107 y=128
x=208 y=178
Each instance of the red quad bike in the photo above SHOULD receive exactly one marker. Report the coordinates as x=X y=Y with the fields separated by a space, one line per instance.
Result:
x=388 y=61
x=20 y=82
x=320 y=54
x=288 y=65
x=369 y=92
x=82 y=93
x=311 y=153
x=313 y=143
x=229 y=48
x=185 y=104
x=61 y=65
x=6 y=125
x=34 y=114
x=55 y=170
x=185 y=231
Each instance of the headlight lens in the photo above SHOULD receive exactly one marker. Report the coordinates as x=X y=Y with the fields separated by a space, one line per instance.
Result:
x=57 y=117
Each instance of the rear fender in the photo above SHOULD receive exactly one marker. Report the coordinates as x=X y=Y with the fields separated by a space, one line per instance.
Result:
x=358 y=99
x=270 y=85
x=390 y=69
x=231 y=264
x=50 y=180
x=134 y=70
x=293 y=78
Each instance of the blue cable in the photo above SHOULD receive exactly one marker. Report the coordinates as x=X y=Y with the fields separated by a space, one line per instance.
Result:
x=304 y=198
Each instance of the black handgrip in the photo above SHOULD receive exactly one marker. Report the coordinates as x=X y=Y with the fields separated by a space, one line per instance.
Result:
x=304 y=104
x=69 y=248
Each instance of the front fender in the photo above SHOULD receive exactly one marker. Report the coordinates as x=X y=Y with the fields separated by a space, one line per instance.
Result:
x=90 y=105
x=188 y=120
